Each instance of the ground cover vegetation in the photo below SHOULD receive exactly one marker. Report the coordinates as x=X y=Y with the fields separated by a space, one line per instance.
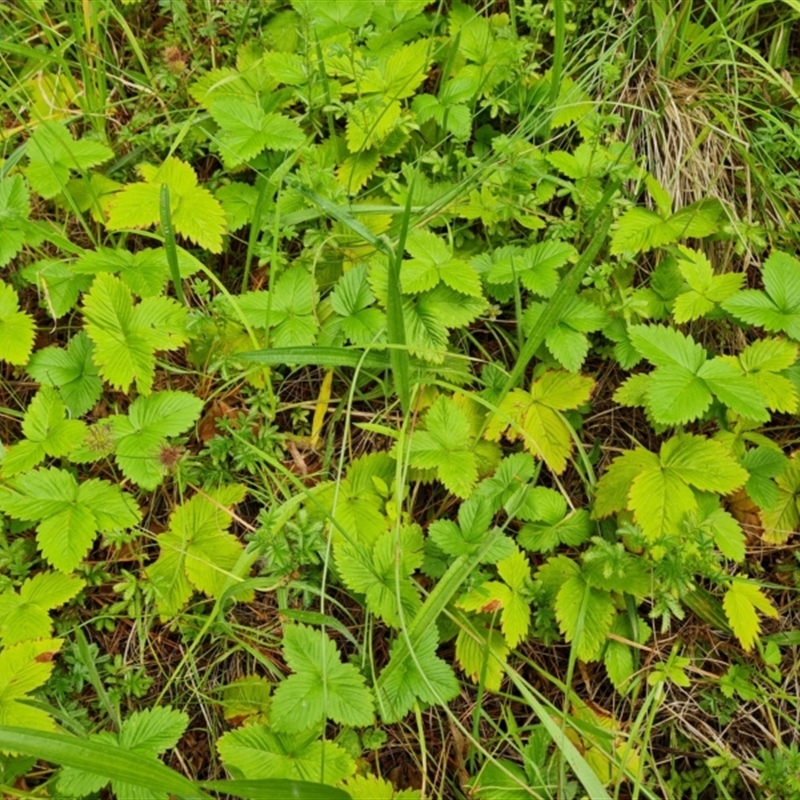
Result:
x=399 y=399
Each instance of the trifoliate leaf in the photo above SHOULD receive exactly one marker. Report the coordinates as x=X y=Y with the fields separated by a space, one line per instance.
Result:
x=509 y=597
x=321 y=688
x=148 y=733
x=778 y=307
x=25 y=615
x=141 y=435
x=425 y=677
x=54 y=154
x=481 y=653
x=69 y=514
x=126 y=337
x=23 y=668
x=246 y=130
x=197 y=551
x=764 y=465
x=400 y=74
x=704 y=290
x=763 y=363
x=58 y=285
x=543 y=537
x=382 y=572
x=196 y=213
x=446 y=446
x=16 y=328
x=145 y=272
x=741 y=602
x=15 y=208
x=783 y=518
x=585 y=616
x=432 y=262
x=258 y=753
x=352 y=299
x=639 y=230
x=535 y=266
x=533 y=418
x=566 y=339
x=47 y=433
x=72 y=372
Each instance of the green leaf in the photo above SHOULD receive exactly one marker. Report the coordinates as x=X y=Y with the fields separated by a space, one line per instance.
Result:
x=247 y=130
x=57 y=283
x=778 y=307
x=148 y=734
x=705 y=289
x=585 y=616
x=764 y=362
x=611 y=491
x=368 y=787
x=142 y=434
x=535 y=266
x=667 y=347
x=619 y=657
x=510 y=597
x=418 y=676
x=71 y=371
x=25 y=615
x=433 y=262
x=69 y=515
x=321 y=688
x=99 y=759
x=256 y=752
x=382 y=571
x=16 y=328
x=764 y=464
x=639 y=230
x=269 y=789
x=352 y=299
x=126 y=337
x=54 y=154
x=481 y=653
x=47 y=433
x=23 y=668
x=197 y=551
x=741 y=602
x=533 y=418
x=446 y=446
x=15 y=208
x=195 y=212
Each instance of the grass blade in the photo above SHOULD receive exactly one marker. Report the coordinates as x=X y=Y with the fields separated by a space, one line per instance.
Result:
x=317 y=356
x=169 y=244
x=273 y=789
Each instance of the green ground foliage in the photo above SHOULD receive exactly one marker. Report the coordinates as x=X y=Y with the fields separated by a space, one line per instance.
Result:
x=398 y=399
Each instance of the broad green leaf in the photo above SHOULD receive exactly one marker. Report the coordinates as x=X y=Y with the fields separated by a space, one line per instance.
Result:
x=352 y=299
x=667 y=347
x=257 y=752
x=433 y=261
x=382 y=572
x=126 y=336
x=141 y=436
x=47 y=433
x=16 y=328
x=481 y=653
x=25 y=614
x=197 y=551
x=72 y=372
x=778 y=307
x=54 y=154
x=15 y=208
x=585 y=616
x=195 y=212
x=703 y=463
x=705 y=290
x=69 y=514
x=611 y=492
x=446 y=446
x=368 y=787
x=535 y=266
x=148 y=734
x=421 y=675
x=533 y=417
x=659 y=500
x=741 y=602
x=321 y=688
x=247 y=130
x=23 y=668
x=782 y=519
x=58 y=285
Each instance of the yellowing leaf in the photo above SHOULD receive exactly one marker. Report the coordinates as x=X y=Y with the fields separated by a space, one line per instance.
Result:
x=741 y=602
x=482 y=652
x=533 y=417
